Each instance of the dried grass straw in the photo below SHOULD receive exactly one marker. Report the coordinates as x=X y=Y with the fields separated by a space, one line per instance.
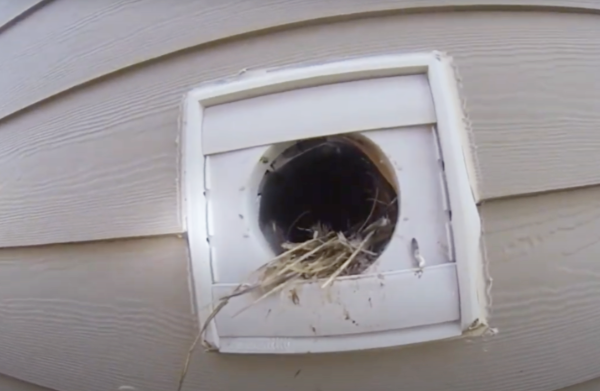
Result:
x=325 y=257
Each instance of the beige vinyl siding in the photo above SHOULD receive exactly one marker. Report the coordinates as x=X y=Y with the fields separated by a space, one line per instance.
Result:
x=72 y=42
x=12 y=384
x=90 y=96
x=101 y=161
x=592 y=385
x=96 y=316
x=10 y=10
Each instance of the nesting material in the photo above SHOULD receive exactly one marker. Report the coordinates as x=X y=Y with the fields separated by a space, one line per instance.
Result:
x=351 y=197
x=325 y=257
x=331 y=250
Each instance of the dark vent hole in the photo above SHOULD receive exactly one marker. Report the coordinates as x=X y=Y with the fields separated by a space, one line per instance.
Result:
x=329 y=181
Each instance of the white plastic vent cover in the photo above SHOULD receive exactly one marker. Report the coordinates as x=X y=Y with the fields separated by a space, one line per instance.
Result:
x=408 y=106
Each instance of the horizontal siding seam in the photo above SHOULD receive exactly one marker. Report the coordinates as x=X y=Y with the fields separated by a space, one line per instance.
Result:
x=22 y=15
x=294 y=25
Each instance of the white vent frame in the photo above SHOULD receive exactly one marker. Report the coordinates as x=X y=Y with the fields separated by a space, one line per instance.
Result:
x=461 y=185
